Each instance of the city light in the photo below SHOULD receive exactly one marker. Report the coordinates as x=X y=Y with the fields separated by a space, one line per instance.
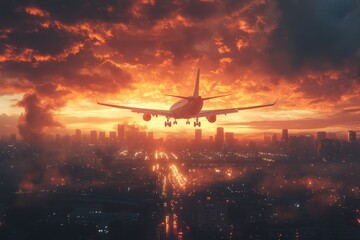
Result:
x=180 y=179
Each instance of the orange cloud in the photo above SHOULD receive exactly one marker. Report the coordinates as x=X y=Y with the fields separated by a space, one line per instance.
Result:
x=133 y=51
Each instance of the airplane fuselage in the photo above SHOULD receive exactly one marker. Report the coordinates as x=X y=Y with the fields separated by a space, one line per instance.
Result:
x=187 y=108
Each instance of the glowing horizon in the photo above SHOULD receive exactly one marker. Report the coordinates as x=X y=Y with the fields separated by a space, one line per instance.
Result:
x=56 y=61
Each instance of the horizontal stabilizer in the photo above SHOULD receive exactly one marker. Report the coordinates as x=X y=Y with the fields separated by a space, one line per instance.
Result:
x=182 y=97
x=219 y=96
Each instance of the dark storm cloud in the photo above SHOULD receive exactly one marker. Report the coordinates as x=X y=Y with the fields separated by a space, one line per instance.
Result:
x=198 y=43
x=157 y=11
x=200 y=10
x=79 y=71
x=71 y=12
x=8 y=14
x=316 y=34
x=45 y=41
x=331 y=89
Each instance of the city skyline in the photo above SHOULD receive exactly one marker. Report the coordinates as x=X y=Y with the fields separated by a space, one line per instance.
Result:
x=271 y=135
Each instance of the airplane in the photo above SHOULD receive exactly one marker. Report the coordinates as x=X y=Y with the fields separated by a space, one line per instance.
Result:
x=186 y=108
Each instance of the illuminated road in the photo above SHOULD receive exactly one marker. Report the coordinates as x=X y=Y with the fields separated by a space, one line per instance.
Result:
x=173 y=184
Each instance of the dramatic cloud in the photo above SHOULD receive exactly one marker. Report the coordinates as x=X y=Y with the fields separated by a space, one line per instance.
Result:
x=308 y=52
x=316 y=34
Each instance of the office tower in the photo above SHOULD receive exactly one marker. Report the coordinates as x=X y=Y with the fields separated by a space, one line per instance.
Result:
x=112 y=136
x=329 y=149
x=142 y=136
x=351 y=136
x=102 y=137
x=320 y=136
x=198 y=135
x=93 y=136
x=121 y=132
x=132 y=133
x=274 y=138
x=284 y=136
x=267 y=139
x=219 y=137
x=77 y=137
x=229 y=138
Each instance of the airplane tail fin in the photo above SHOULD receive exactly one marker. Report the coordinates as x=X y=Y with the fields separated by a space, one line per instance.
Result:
x=219 y=96
x=196 y=87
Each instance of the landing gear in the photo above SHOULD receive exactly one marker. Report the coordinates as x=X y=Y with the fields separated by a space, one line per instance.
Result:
x=197 y=123
x=167 y=123
x=175 y=122
x=188 y=122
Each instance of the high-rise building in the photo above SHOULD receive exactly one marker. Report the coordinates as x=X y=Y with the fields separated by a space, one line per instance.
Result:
x=121 y=132
x=102 y=136
x=93 y=136
x=219 y=137
x=267 y=139
x=302 y=147
x=132 y=133
x=229 y=138
x=77 y=137
x=351 y=136
x=112 y=136
x=320 y=136
x=274 y=138
x=284 y=136
x=329 y=149
x=198 y=135
x=142 y=136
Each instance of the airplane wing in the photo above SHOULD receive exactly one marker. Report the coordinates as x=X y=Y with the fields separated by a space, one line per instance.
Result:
x=153 y=112
x=205 y=113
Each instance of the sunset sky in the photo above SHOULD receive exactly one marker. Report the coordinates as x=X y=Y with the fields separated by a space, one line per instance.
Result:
x=57 y=57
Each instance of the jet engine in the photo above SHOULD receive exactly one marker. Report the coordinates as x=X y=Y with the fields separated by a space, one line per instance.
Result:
x=147 y=117
x=211 y=118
